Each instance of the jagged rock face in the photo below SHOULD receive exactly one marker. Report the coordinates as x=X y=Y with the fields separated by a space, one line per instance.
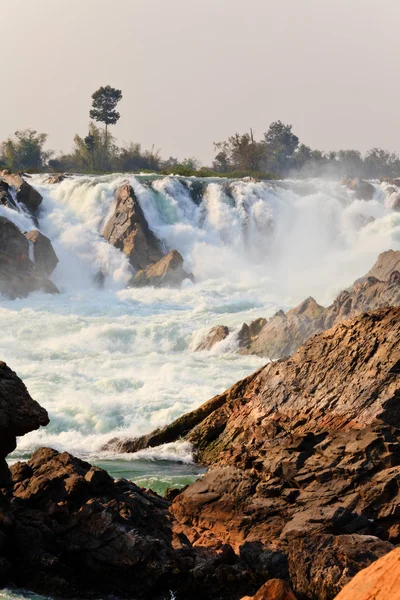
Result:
x=78 y=532
x=215 y=335
x=19 y=414
x=385 y=265
x=307 y=446
x=44 y=257
x=380 y=581
x=167 y=272
x=128 y=230
x=18 y=275
x=285 y=332
x=25 y=193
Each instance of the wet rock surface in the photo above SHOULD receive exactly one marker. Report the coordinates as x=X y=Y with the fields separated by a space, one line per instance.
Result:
x=24 y=192
x=167 y=272
x=128 y=230
x=215 y=335
x=44 y=256
x=18 y=274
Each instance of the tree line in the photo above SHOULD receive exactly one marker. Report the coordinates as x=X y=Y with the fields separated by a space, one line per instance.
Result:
x=278 y=153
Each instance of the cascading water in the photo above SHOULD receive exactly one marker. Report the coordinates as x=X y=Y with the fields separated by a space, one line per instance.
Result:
x=119 y=361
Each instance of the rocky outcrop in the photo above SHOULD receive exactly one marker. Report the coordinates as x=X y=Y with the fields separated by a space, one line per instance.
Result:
x=363 y=189
x=24 y=192
x=18 y=274
x=304 y=456
x=128 y=230
x=215 y=335
x=380 y=581
x=44 y=257
x=78 y=532
x=167 y=272
x=19 y=414
x=285 y=332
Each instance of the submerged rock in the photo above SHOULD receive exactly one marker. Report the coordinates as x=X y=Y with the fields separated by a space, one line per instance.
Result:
x=44 y=257
x=363 y=189
x=215 y=335
x=56 y=178
x=128 y=230
x=167 y=272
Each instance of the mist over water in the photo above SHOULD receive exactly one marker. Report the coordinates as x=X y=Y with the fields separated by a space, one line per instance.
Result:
x=120 y=362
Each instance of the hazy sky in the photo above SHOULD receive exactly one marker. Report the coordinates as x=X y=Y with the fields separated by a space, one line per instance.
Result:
x=195 y=71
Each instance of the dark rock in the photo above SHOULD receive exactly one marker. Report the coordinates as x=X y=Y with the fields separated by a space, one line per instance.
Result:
x=56 y=178
x=44 y=257
x=215 y=335
x=167 y=272
x=128 y=230
x=321 y=565
x=25 y=193
x=379 y=581
x=363 y=189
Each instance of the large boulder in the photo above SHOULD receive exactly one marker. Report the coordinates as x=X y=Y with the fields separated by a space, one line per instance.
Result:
x=379 y=581
x=128 y=230
x=167 y=272
x=18 y=274
x=44 y=257
x=24 y=192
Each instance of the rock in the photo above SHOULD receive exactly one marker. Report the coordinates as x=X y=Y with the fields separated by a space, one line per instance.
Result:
x=306 y=445
x=285 y=332
x=167 y=272
x=44 y=257
x=99 y=279
x=214 y=336
x=128 y=230
x=18 y=274
x=379 y=581
x=56 y=178
x=363 y=189
x=395 y=202
x=387 y=262
x=19 y=414
x=321 y=565
x=275 y=589
x=78 y=532
x=25 y=193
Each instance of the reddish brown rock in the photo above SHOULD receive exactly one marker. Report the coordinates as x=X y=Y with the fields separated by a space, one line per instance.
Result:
x=44 y=257
x=379 y=581
x=167 y=272
x=275 y=589
x=214 y=336
x=128 y=230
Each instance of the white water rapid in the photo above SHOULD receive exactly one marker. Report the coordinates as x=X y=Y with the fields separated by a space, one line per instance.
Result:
x=120 y=362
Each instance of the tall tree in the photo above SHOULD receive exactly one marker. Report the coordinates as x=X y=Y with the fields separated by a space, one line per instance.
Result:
x=103 y=110
x=280 y=144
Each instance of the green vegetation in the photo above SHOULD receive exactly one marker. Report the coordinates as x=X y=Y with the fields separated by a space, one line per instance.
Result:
x=278 y=153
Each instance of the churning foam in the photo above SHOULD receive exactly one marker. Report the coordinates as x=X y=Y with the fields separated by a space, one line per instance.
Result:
x=120 y=361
